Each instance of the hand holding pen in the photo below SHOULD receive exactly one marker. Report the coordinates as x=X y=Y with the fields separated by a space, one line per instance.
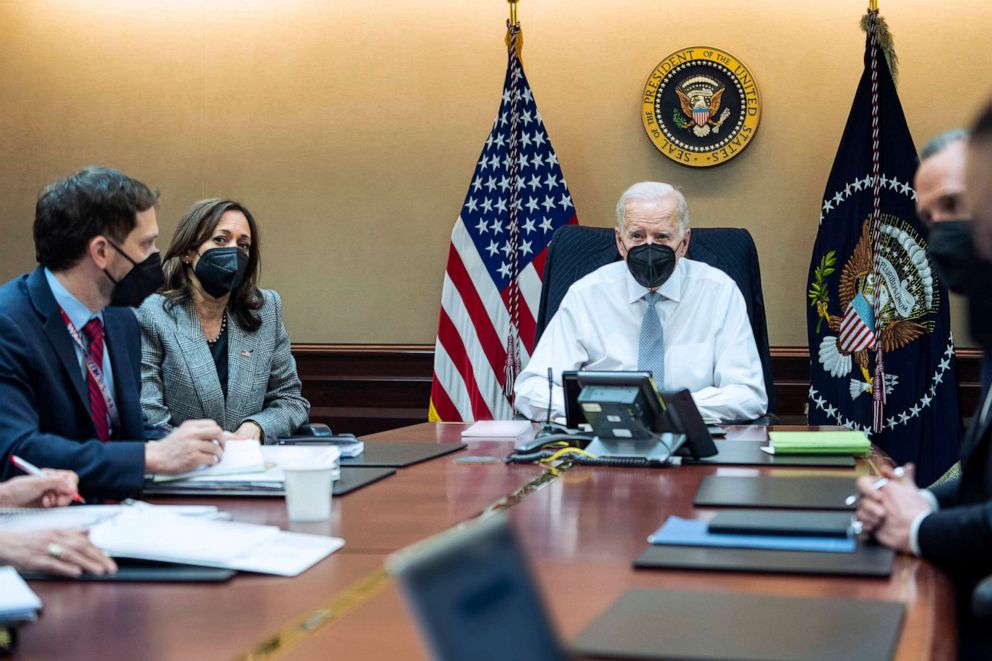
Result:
x=40 y=488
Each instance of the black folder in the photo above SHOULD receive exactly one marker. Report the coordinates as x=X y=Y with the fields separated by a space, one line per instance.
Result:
x=144 y=571
x=670 y=624
x=398 y=455
x=793 y=523
x=353 y=479
x=816 y=493
x=748 y=453
x=869 y=560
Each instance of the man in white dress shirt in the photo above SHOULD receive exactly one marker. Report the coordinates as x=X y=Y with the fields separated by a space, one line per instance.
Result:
x=703 y=342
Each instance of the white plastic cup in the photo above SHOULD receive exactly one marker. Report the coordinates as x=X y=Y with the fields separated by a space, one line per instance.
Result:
x=308 y=493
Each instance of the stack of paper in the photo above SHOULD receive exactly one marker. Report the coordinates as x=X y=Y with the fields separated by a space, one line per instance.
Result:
x=239 y=457
x=276 y=458
x=17 y=602
x=80 y=517
x=819 y=442
x=167 y=537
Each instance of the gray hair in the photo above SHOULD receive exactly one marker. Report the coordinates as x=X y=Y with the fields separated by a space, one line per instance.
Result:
x=654 y=190
x=941 y=142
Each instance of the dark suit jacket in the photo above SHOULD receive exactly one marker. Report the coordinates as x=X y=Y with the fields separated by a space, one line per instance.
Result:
x=44 y=405
x=958 y=537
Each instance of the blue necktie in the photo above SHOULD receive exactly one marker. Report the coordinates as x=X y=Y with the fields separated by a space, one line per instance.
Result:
x=651 y=351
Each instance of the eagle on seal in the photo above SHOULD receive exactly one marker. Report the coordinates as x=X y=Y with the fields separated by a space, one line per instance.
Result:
x=893 y=331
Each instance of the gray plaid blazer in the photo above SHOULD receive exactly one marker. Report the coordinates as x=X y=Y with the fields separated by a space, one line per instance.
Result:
x=179 y=380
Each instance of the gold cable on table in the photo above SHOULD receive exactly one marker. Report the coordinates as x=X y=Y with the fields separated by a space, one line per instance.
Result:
x=357 y=594
x=367 y=588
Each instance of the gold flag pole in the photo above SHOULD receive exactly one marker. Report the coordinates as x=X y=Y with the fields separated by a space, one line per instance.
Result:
x=514 y=22
x=872 y=5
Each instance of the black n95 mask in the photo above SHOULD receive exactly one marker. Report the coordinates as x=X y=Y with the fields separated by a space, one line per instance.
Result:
x=651 y=264
x=221 y=270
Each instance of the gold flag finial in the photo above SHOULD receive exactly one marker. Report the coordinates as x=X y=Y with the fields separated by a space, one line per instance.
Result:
x=513 y=11
x=872 y=5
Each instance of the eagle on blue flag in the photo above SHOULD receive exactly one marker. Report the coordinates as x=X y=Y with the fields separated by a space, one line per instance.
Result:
x=881 y=351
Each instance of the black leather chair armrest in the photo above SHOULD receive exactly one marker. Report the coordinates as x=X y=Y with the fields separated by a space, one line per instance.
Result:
x=318 y=429
x=981 y=599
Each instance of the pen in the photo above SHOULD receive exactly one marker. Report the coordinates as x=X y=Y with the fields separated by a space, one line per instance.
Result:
x=898 y=472
x=31 y=469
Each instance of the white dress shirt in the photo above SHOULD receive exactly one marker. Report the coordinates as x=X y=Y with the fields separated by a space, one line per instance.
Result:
x=709 y=347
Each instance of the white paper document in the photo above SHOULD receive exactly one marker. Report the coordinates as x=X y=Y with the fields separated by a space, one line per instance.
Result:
x=286 y=554
x=17 y=601
x=79 y=517
x=498 y=429
x=166 y=537
x=239 y=457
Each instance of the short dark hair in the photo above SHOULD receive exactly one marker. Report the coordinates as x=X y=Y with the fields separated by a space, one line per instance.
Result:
x=195 y=227
x=941 y=142
x=982 y=130
x=92 y=202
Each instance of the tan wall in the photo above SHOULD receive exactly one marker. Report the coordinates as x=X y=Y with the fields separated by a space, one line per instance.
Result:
x=352 y=128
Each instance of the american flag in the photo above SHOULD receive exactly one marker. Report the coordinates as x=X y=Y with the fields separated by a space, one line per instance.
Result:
x=857 y=328
x=516 y=200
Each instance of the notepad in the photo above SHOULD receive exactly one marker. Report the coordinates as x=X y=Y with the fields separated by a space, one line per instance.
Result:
x=690 y=532
x=276 y=459
x=498 y=429
x=853 y=443
x=239 y=457
x=18 y=602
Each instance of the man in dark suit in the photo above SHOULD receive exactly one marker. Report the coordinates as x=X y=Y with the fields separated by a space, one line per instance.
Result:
x=951 y=524
x=70 y=374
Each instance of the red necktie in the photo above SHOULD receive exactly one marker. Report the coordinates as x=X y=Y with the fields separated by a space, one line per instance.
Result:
x=93 y=334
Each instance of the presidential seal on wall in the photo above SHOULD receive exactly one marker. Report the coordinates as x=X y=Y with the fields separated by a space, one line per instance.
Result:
x=701 y=106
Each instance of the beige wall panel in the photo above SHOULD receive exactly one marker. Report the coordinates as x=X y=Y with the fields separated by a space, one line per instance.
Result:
x=352 y=128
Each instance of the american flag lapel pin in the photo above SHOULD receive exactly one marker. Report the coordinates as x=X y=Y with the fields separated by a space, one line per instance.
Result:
x=246 y=354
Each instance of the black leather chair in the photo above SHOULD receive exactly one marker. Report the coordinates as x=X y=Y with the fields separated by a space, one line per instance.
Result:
x=576 y=251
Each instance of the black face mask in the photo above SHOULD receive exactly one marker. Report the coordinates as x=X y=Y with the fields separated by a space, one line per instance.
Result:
x=953 y=251
x=651 y=264
x=952 y=247
x=139 y=283
x=221 y=270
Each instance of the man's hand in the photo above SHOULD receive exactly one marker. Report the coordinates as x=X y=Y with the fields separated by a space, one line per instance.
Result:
x=194 y=443
x=889 y=511
x=67 y=552
x=55 y=488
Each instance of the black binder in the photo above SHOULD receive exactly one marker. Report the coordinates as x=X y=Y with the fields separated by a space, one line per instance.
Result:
x=748 y=453
x=670 y=624
x=869 y=560
x=793 y=523
x=380 y=454
x=353 y=479
x=817 y=493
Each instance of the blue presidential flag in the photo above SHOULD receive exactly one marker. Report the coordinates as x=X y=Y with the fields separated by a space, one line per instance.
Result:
x=881 y=352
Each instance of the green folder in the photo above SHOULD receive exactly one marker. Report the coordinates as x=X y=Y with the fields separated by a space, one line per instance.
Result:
x=820 y=442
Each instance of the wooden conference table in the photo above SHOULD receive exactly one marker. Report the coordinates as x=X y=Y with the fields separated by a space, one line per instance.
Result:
x=581 y=531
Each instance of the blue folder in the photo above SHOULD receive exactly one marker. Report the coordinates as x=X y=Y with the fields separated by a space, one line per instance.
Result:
x=691 y=532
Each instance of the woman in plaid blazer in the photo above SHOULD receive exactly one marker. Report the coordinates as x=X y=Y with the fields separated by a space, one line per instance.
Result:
x=214 y=345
